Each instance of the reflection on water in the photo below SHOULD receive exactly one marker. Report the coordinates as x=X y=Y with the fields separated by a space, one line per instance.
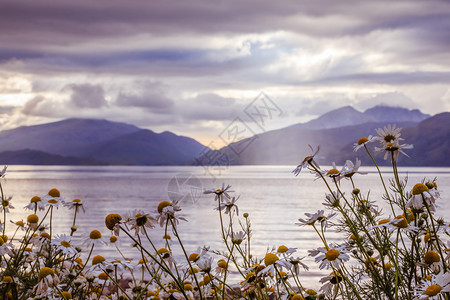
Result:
x=273 y=197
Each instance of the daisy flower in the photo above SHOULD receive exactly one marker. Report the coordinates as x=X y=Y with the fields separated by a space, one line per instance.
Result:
x=75 y=204
x=432 y=289
x=272 y=261
x=112 y=222
x=333 y=199
x=94 y=238
x=6 y=205
x=167 y=211
x=351 y=169
x=363 y=141
x=62 y=243
x=46 y=278
x=309 y=160
x=20 y=224
x=332 y=256
x=394 y=148
x=296 y=262
x=313 y=218
x=222 y=267
x=166 y=256
x=331 y=282
x=53 y=198
x=228 y=205
x=204 y=264
x=333 y=173
x=237 y=237
x=138 y=220
x=35 y=204
x=285 y=251
x=219 y=192
x=421 y=195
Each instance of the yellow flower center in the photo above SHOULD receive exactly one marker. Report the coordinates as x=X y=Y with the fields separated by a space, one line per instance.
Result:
x=384 y=221
x=390 y=147
x=79 y=261
x=194 y=270
x=113 y=239
x=332 y=254
x=76 y=200
x=45 y=235
x=222 y=264
x=282 y=249
x=249 y=275
x=433 y=290
x=97 y=259
x=54 y=193
x=20 y=223
x=193 y=257
x=95 y=235
x=162 y=205
x=35 y=199
x=307 y=159
x=111 y=220
x=362 y=140
x=141 y=220
x=311 y=292
x=44 y=272
x=419 y=188
x=333 y=172
x=388 y=266
x=65 y=244
x=1 y=241
x=141 y=261
x=52 y=201
x=167 y=237
x=66 y=295
x=431 y=257
x=401 y=223
x=32 y=219
x=297 y=297
x=270 y=259
x=431 y=185
x=5 y=203
x=409 y=216
x=188 y=287
x=163 y=250
x=103 y=276
x=4 y=237
x=7 y=279
x=207 y=279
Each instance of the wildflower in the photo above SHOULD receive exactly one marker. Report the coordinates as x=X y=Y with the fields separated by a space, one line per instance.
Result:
x=333 y=173
x=167 y=213
x=219 y=192
x=20 y=224
x=75 y=204
x=46 y=278
x=351 y=169
x=98 y=263
x=309 y=160
x=205 y=264
x=3 y=172
x=285 y=251
x=53 y=198
x=222 y=267
x=431 y=257
x=434 y=287
x=35 y=204
x=334 y=255
x=296 y=263
x=420 y=196
x=6 y=205
x=139 y=220
x=313 y=218
x=118 y=265
x=62 y=243
x=362 y=142
x=112 y=222
x=272 y=261
x=237 y=237
x=228 y=205
x=94 y=238
x=395 y=148
x=331 y=281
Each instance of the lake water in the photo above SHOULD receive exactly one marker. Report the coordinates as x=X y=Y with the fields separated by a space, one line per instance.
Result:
x=273 y=197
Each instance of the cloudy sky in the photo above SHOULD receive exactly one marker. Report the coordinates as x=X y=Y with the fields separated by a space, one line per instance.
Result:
x=192 y=67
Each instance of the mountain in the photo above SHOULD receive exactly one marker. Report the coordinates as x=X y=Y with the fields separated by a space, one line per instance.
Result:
x=36 y=157
x=67 y=137
x=92 y=141
x=348 y=116
x=145 y=147
x=383 y=113
x=340 y=117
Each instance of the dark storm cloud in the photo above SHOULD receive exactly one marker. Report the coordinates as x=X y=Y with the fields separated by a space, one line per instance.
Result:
x=40 y=106
x=86 y=95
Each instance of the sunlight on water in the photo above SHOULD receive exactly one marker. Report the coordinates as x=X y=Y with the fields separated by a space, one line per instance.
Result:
x=273 y=197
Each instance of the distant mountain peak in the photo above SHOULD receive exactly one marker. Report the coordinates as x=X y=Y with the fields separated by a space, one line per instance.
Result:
x=386 y=113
